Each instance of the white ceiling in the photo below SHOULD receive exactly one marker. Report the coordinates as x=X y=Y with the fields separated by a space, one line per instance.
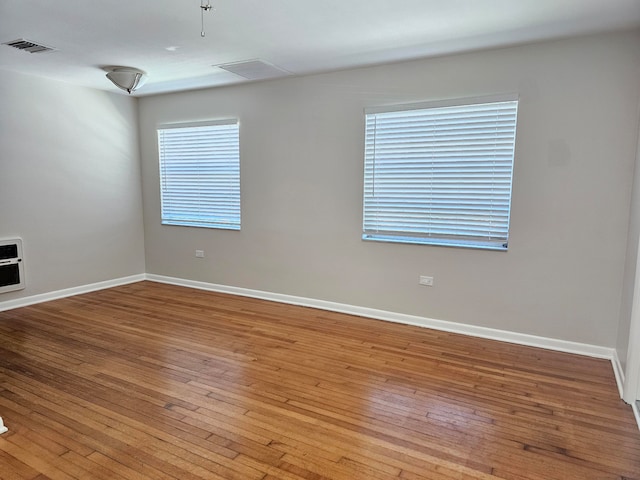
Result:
x=163 y=38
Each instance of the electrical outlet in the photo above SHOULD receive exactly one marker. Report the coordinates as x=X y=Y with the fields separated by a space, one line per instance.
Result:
x=200 y=253
x=427 y=281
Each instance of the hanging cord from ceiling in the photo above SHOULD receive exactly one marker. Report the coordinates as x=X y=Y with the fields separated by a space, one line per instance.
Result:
x=205 y=6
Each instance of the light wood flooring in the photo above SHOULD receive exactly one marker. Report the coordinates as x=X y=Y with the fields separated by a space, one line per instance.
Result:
x=157 y=382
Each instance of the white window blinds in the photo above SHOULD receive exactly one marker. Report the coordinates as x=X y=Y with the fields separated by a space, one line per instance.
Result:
x=200 y=175
x=440 y=175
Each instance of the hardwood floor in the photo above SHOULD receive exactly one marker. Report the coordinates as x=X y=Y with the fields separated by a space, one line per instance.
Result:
x=151 y=381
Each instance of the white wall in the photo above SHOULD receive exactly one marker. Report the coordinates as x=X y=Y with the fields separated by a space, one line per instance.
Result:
x=69 y=183
x=630 y=272
x=302 y=164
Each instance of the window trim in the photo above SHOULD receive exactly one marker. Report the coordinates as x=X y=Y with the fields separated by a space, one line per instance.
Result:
x=454 y=102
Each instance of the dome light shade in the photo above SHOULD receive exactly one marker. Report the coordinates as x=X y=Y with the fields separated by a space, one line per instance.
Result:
x=127 y=78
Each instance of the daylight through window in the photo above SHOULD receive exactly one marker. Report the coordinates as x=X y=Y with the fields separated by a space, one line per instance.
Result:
x=440 y=174
x=200 y=175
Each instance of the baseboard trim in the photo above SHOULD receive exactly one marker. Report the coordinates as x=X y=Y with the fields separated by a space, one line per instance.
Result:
x=443 y=325
x=68 y=292
x=636 y=412
x=618 y=371
x=584 y=349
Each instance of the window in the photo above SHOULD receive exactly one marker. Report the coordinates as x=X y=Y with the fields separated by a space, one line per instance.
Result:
x=200 y=175
x=439 y=174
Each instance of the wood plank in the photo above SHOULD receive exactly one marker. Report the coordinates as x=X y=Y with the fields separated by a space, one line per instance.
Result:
x=151 y=381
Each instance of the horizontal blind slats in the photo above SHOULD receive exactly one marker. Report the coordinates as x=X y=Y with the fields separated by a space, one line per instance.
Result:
x=440 y=172
x=200 y=175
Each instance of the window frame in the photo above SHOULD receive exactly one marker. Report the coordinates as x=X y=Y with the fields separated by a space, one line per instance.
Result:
x=427 y=238
x=233 y=217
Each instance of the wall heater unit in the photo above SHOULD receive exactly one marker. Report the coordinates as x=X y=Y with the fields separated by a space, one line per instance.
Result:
x=11 y=267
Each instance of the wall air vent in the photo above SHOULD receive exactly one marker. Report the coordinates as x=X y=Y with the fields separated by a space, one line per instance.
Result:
x=28 y=46
x=254 y=69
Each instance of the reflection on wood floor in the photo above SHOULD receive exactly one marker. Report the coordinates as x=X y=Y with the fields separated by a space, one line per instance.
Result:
x=151 y=381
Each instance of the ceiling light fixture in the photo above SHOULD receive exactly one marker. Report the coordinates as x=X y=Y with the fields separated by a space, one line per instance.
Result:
x=126 y=78
x=205 y=6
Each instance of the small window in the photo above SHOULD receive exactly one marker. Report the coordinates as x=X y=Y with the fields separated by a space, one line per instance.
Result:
x=440 y=174
x=200 y=175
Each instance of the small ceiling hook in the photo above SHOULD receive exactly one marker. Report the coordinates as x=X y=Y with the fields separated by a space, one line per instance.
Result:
x=205 y=6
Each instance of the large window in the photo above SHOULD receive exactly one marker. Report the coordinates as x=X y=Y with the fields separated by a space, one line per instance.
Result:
x=440 y=174
x=200 y=174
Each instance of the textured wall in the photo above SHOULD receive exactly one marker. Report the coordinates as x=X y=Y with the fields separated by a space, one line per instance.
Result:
x=302 y=166
x=69 y=183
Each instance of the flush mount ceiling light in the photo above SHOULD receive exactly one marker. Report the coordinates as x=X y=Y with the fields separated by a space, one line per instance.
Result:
x=126 y=78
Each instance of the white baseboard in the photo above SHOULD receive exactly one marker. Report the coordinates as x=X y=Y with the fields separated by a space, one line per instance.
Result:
x=618 y=371
x=475 y=331
x=636 y=412
x=443 y=325
x=68 y=292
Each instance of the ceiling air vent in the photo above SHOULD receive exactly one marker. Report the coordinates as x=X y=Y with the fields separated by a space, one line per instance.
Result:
x=254 y=70
x=28 y=46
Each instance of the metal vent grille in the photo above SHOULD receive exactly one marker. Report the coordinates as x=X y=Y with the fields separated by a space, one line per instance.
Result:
x=254 y=69
x=28 y=46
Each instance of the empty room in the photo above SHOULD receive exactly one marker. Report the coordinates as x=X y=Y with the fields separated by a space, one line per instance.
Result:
x=260 y=240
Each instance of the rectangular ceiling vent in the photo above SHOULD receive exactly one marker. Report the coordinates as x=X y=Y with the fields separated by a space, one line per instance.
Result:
x=28 y=46
x=254 y=69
